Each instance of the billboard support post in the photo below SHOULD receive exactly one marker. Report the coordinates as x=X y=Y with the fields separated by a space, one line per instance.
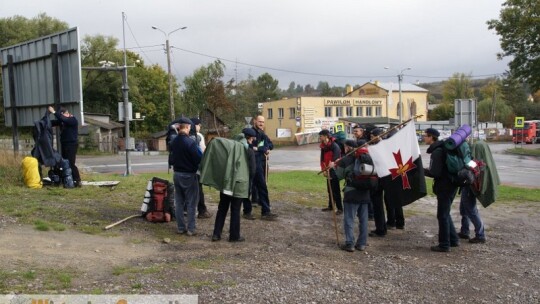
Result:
x=56 y=89
x=13 y=105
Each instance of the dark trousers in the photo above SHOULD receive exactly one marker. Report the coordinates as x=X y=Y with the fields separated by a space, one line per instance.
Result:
x=335 y=190
x=69 y=152
x=226 y=201
x=447 y=231
x=378 y=210
x=394 y=214
x=262 y=190
x=201 y=206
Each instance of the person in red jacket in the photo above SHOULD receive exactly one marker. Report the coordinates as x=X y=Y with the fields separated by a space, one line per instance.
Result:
x=330 y=152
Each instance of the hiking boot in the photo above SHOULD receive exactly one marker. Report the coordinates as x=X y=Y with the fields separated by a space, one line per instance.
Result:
x=215 y=238
x=454 y=244
x=191 y=233
x=438 y=248
x=240 y=239
x=248 y=216
x=477 y=240
x=204 y=215
x=339 y=212
x=326 y=209
x=347 y=247
x=463 y=236
x=375 y=233
x=360 y=247
x=269 y=216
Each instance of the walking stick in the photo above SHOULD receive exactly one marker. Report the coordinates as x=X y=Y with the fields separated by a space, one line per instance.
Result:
x=371 y=141
x=328 y=178
x=121 y=221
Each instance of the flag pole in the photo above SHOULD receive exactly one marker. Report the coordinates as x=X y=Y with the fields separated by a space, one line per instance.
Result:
x=372 y=141
x=333 y=206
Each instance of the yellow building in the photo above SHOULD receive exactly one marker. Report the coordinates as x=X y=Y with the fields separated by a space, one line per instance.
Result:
x=299 y=120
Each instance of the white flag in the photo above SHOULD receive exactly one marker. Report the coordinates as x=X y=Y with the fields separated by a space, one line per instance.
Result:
x=396 y=154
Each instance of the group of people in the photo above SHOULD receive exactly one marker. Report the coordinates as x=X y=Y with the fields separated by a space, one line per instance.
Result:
x=185 y=158
x=338 y=163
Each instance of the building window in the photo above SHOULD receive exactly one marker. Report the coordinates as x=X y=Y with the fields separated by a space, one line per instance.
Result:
x=270 y=114
x=360 y=111
x=292 y=113
x=281 y=113
x=327 y=111
x=378 y=111
x=412 y=110
x=339 y=111
x=349 y=112
x=369 y=112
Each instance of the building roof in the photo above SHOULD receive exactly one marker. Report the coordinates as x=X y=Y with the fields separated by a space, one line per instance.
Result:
x=405 y=87
x=370 y=120
x=105 y=125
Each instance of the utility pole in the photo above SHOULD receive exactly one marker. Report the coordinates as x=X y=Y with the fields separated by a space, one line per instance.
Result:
x=168 y=51
x=400 y=79
x=125 y=90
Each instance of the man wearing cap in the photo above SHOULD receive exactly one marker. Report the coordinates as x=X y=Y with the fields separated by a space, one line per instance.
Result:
x=263 y=147
x=443 y=188
x=330 y=152
x=186 y=157
x=69 y=127
x=201 y=206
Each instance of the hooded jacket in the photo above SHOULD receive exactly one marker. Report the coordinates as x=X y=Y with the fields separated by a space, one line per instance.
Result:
x=437 y=168
x=490 y=180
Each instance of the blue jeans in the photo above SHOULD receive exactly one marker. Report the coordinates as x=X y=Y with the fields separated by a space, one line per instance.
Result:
x=350 y=211
x=469 y=213
x=447 y=231
x=186 y=192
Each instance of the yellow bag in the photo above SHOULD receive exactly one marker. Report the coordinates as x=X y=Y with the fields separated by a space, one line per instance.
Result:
x=31 y=173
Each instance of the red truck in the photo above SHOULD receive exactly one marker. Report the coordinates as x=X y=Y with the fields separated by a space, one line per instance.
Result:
x=529 y=134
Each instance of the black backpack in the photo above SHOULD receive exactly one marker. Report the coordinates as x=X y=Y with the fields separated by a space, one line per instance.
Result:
x=364 y=176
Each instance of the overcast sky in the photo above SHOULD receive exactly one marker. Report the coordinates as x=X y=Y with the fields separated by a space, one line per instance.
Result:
x=352 y=39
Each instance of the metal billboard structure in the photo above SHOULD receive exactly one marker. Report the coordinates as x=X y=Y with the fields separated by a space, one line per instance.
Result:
x=38 y=73
x=465 y=112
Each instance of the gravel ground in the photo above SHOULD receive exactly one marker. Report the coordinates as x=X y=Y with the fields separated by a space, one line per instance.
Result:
x=292 y=260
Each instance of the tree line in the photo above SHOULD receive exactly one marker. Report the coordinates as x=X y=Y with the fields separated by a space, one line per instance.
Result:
x=499 y=99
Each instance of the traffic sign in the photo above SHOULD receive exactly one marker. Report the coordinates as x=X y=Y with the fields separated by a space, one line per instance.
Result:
x=519 y=122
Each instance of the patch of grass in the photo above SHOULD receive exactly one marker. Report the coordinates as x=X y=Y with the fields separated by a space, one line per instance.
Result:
x=137 y=286
x=120 y=270
x=508 y=193
x=41 y=225
x=29 y=275
x=521 y=151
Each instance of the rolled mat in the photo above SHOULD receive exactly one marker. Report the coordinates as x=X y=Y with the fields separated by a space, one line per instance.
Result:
x=458 y=137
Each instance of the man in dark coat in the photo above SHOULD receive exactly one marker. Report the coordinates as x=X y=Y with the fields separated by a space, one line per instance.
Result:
x=69 y=133
x=330 y=152
x=443 y=188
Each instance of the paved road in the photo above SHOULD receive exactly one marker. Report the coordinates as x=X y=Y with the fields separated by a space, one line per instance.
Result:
x=513 y=169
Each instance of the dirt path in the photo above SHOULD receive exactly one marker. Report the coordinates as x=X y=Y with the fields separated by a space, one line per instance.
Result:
x=292 y=260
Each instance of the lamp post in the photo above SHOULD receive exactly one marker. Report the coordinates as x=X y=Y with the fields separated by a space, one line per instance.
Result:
x=168 y=50
x=400 y=79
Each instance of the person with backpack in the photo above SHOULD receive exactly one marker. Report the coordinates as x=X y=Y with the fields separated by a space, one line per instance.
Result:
x=358 y=133
x=69 y=126
x=330 y=152
x=355 y=196
x=443 y=188
x=185 y=159
x=228 y=199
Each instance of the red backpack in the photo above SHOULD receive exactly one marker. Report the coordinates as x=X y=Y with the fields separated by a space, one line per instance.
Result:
x=158 y=203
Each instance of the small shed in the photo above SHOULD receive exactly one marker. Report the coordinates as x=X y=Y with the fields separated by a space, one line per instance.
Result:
x=102 y=131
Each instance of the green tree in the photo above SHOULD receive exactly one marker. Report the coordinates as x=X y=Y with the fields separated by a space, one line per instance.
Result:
x=457 y=87
x=443 y=111
x=267 y=87
x=519 y=28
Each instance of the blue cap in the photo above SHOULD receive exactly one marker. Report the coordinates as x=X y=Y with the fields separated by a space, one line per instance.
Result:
x=249 y=132
x=196 y=121
x=432 y=132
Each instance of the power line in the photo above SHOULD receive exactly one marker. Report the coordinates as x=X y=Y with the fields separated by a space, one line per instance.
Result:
x=137 y=42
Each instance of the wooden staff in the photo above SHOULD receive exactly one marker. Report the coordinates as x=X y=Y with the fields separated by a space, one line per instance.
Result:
x=266 y=171
x=370 y=141
x=121 y=221
x=328 y=178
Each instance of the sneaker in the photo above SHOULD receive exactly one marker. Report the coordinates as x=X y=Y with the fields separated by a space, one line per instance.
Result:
x=326 y=209
x=347 y=247
x=339 y=212
x=204 y=215
x=438 y=248
x=360 y=247
x=477 y=240
x=269 y=216
x=240 y=239
x=215 y=238
x=248 y=216
x=463 y=236
x=191 y=233
x=181 y=231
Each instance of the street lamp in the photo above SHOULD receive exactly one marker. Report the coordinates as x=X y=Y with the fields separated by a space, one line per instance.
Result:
x=168 y=49
x=400 y=79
